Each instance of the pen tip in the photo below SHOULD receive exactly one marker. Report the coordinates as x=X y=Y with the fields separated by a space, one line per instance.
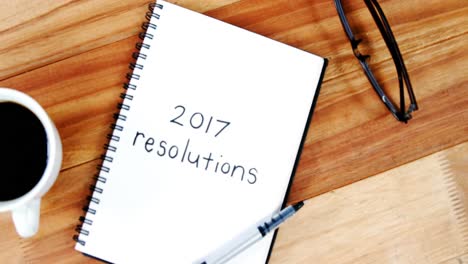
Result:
x=298 y=206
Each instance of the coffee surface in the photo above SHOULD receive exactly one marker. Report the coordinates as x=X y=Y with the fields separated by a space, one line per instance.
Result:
x=23 y=150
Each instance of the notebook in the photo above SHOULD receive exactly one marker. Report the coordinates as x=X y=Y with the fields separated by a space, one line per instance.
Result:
x=205 y=144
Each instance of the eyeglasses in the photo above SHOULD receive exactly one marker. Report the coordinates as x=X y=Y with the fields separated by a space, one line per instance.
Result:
x=402 y=114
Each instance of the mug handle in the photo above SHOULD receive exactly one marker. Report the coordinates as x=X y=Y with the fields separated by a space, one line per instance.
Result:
x=26 y=218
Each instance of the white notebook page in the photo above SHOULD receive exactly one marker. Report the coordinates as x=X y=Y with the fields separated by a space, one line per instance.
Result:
x=209 y=143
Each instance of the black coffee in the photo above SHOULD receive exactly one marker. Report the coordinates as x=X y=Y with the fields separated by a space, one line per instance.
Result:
x=23 y=150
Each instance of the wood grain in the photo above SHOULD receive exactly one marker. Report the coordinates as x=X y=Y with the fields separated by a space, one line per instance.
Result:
x=35 y=34
x=72 y=57
x=457 y=260
x=410 y=214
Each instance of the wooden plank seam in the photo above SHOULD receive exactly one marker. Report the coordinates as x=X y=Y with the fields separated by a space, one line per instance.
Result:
x=456 y=201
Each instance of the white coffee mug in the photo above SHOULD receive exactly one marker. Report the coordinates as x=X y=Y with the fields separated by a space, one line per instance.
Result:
x=26 y=209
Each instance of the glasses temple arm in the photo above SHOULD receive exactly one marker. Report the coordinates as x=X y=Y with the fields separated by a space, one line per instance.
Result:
x=385 y=30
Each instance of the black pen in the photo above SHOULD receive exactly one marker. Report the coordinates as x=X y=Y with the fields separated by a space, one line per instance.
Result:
x=249 y=237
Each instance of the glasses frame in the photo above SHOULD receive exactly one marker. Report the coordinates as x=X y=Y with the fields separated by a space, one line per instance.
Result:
x=402 y=114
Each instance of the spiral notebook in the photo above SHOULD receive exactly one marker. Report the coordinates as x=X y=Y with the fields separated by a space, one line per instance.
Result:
x=205 y=144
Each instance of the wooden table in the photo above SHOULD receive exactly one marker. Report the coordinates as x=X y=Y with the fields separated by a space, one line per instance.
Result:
x=72 y=57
